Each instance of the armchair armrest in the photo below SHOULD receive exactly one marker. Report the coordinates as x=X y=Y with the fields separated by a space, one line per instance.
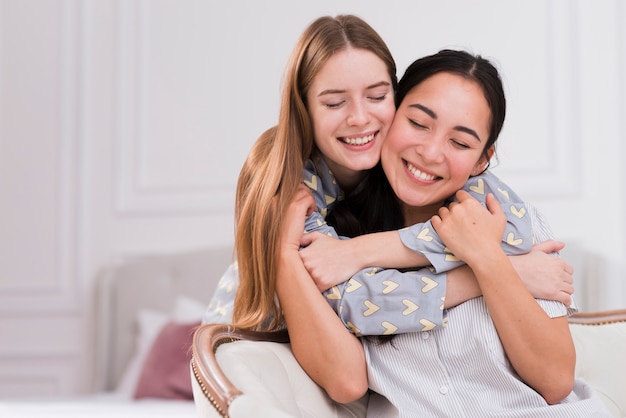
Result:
x=598 y=318
x=240 y=373
x=600 y=340
x=215 y=385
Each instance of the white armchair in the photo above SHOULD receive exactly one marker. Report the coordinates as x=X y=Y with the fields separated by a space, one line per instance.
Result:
x=238 y=373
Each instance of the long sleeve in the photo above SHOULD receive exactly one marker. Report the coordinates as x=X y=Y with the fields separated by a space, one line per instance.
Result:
x=382 y=302
x=318 y=177
x=220 y=309
x=321 y=181
x=517 y=238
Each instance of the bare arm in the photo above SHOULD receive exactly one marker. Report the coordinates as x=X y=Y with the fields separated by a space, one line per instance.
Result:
x=331 y=261
x=332 y=356
x=540 y=348
x=544 y=275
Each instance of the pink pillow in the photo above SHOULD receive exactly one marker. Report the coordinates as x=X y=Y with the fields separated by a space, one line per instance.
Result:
x=165 y=373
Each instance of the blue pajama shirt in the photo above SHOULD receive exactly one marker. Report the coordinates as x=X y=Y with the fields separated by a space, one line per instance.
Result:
x=387 y=301
x=412 y=300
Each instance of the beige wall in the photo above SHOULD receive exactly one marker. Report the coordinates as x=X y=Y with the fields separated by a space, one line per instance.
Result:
x=123 y=125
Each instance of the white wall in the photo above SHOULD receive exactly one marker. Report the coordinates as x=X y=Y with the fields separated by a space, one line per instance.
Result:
x=123 y=125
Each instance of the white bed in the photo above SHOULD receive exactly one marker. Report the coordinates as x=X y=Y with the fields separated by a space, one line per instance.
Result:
x=139 y=298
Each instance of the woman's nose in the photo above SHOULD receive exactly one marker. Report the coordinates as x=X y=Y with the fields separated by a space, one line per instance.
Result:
x=358 y=114
x=430 y=149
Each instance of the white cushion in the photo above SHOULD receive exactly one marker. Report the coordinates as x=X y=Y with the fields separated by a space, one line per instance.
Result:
x=275 y=384
x=601 y=361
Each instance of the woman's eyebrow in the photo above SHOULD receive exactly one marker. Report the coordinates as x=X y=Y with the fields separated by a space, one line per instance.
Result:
x=467 y=131
x=340 y=91
x=330 y=91
x=379 y=84
x=424 y=109
x=433 y=115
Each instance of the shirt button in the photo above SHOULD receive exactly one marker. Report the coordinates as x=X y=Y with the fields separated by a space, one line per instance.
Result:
x=425 y=335
x=443 y=390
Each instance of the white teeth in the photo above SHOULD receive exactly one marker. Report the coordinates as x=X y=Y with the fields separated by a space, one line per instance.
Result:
x=418 y=174
x=358 y=141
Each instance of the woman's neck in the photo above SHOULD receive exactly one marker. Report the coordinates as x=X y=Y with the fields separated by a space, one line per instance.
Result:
x=415 y=215
x=346 y=178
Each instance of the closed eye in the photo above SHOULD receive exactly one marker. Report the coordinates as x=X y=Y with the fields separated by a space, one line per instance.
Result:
x=416 y=124
x=378 y=98
x=334 y=105
x=460 y=144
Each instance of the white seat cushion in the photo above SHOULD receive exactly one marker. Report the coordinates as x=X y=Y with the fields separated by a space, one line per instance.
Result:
x=275 y=383
x=601 y=361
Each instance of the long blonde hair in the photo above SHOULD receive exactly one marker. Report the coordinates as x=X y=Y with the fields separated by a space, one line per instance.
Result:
x=273 y=169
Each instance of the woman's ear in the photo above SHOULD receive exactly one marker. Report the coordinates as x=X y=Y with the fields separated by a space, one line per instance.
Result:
x=483 y=162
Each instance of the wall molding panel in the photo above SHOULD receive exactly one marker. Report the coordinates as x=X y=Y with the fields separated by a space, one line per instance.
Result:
x=58 y=292
x=138 y=189
x=555 y=172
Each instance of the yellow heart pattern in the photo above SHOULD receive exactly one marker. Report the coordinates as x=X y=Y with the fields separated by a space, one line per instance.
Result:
x=354 y=329
x=429 y=284
x=389 y=286
x=452 y=257
x=449 y=256
x=428 y=325
x=389 y=328
x=510 y=239
x=334 y=293
x=372 y=272
x=353 y=285
x=311 y=184
x=479 y=187
x=423 y=235
x=371 y=308
x=410 y=307
x=518 y=212
x=504 y=192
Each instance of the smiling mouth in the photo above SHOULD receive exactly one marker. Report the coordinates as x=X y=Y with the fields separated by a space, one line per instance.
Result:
x=420 y=175
x=361 y=140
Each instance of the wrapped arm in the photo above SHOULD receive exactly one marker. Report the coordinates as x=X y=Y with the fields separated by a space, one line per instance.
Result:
x=379 y=302
x=325 y=191
x=383 y=302
x=517 y=238
x=539 y=347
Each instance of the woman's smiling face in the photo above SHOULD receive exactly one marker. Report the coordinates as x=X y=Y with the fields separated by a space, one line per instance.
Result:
x=436 y=141
x=351 y=102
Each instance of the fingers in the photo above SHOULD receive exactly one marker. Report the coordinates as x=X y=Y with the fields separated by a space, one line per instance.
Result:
x=565 y=298
x=550 y=246
x=462 y=196
x=493 y=205
x=306 y=239
x=569 y=269
x=309 y=238
x=304 y=197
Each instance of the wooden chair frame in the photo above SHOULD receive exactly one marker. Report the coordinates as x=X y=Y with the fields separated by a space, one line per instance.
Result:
x=215 y=385
x=599 y=317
